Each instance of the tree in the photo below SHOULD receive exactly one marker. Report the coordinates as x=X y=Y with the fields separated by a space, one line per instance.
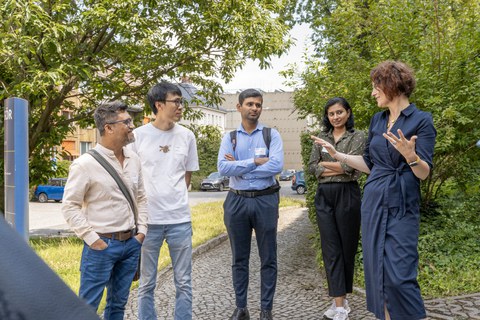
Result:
x=53 y=52
x=208 y=143
x=440 y=39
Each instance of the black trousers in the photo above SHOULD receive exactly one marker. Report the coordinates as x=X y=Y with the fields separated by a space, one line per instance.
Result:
x=241 y=216
x=338 y=217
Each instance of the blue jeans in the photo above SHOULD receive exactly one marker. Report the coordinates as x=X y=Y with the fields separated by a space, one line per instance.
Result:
x=179 y=240
x=114 y=268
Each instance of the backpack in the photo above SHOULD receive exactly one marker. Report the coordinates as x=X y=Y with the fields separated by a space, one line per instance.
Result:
x=266 y=132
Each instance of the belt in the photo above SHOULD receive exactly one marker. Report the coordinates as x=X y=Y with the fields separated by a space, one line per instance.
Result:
x=256 y=193
x=120 y=236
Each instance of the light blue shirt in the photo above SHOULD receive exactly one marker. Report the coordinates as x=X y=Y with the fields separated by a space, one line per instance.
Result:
x=243 y=173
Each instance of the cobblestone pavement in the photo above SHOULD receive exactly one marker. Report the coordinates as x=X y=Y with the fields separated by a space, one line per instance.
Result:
x=301 y=289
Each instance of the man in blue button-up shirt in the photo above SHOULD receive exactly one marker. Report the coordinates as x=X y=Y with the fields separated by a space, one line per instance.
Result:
x=252 y=161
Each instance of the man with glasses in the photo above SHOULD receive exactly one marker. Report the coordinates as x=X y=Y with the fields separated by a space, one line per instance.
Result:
x=98 y=212
x=168 y=152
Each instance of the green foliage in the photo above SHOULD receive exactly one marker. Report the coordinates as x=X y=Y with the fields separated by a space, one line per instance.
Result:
x=55 y=54
x=63 y=167
x=310 y=180
x=208 y=144
x=439 y=39
x=450 y=247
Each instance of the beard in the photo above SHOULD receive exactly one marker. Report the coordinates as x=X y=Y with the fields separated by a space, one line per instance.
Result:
x=129 y=139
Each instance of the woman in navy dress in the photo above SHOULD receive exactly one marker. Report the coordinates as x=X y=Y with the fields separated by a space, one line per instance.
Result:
x=398 y=154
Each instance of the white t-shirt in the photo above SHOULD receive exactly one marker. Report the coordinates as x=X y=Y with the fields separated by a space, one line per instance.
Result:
x=165 y=156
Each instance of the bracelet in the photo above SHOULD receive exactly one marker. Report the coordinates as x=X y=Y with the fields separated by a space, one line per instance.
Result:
x=414 y=163
x=344 y=160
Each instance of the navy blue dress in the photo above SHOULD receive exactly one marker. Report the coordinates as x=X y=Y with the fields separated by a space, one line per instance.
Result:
x=391 y=217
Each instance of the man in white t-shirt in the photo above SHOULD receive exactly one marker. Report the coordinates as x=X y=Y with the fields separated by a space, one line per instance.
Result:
x=168 y=153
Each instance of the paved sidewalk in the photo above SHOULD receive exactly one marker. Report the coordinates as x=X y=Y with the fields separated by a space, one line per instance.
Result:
x=301 y=289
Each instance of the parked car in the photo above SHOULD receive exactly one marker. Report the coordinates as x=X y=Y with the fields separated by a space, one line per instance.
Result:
x=214 y=181
x=53 y=190
x=287 y=175
x=298 y=182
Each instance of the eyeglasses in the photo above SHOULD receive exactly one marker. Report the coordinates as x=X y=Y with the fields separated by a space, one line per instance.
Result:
x=178 y=102
x=128 y=122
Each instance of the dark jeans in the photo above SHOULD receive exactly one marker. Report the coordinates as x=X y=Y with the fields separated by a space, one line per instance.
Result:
x=241 y=216
x=338 y=218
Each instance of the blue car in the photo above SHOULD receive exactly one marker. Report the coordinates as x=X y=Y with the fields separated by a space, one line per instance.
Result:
x=298 y=182
x=287 y=175
x=51 y=191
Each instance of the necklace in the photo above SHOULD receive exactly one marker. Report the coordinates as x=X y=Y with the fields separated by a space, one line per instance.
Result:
x=390 y=123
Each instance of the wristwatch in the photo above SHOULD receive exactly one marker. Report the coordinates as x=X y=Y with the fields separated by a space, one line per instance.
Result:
x=414 y=163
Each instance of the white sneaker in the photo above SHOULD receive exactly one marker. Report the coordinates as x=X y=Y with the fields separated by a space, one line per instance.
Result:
x=332 y=311
x=341 y=315
x=346 y=306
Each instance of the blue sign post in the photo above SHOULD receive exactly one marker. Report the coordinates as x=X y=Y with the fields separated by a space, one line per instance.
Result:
x=16 y=164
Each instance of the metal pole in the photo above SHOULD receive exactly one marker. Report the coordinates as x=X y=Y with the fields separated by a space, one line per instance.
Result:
x=16 y=164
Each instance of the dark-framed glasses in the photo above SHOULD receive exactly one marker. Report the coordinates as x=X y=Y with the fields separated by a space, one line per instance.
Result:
x=128 y=122
x=178 y=102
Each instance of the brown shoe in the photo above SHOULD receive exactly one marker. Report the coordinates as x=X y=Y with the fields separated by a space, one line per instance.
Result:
x=240 y=314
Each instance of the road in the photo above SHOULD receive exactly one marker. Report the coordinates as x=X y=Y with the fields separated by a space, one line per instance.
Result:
x=46 y=218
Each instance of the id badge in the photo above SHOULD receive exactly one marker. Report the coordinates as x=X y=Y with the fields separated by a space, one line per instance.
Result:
x=260 y=152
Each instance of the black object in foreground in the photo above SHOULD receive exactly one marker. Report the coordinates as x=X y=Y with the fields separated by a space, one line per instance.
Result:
x=29 y=289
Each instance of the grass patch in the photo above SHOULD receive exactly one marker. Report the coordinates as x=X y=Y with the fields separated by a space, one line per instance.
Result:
x=63 y=254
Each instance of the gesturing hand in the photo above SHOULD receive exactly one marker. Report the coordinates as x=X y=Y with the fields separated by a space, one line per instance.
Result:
x=327 y=145
x=403 y=145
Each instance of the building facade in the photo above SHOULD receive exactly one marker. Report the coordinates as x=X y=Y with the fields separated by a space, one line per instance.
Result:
x=209 y=115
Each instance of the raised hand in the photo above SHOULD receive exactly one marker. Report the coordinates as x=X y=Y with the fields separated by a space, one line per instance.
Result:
x=403 y=145
x=327 y=145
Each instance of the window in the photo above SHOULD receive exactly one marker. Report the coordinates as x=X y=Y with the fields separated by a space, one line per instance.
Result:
x=85 y=146
x=67 y=114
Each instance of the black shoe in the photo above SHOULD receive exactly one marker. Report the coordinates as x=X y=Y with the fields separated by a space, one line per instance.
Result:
x=240 y=314
x=266 y=315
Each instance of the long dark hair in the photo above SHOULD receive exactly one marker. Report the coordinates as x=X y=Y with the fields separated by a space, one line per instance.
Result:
x=344 y=103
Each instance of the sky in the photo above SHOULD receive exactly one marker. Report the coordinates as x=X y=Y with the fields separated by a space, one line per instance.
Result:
x=251 y=76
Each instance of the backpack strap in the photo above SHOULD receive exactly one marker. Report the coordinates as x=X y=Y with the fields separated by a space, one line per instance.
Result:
x=267 y=136
x=233 y=139
x=266 y=132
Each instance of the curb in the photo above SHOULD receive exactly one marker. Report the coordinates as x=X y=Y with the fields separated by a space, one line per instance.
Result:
x=210 y=244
